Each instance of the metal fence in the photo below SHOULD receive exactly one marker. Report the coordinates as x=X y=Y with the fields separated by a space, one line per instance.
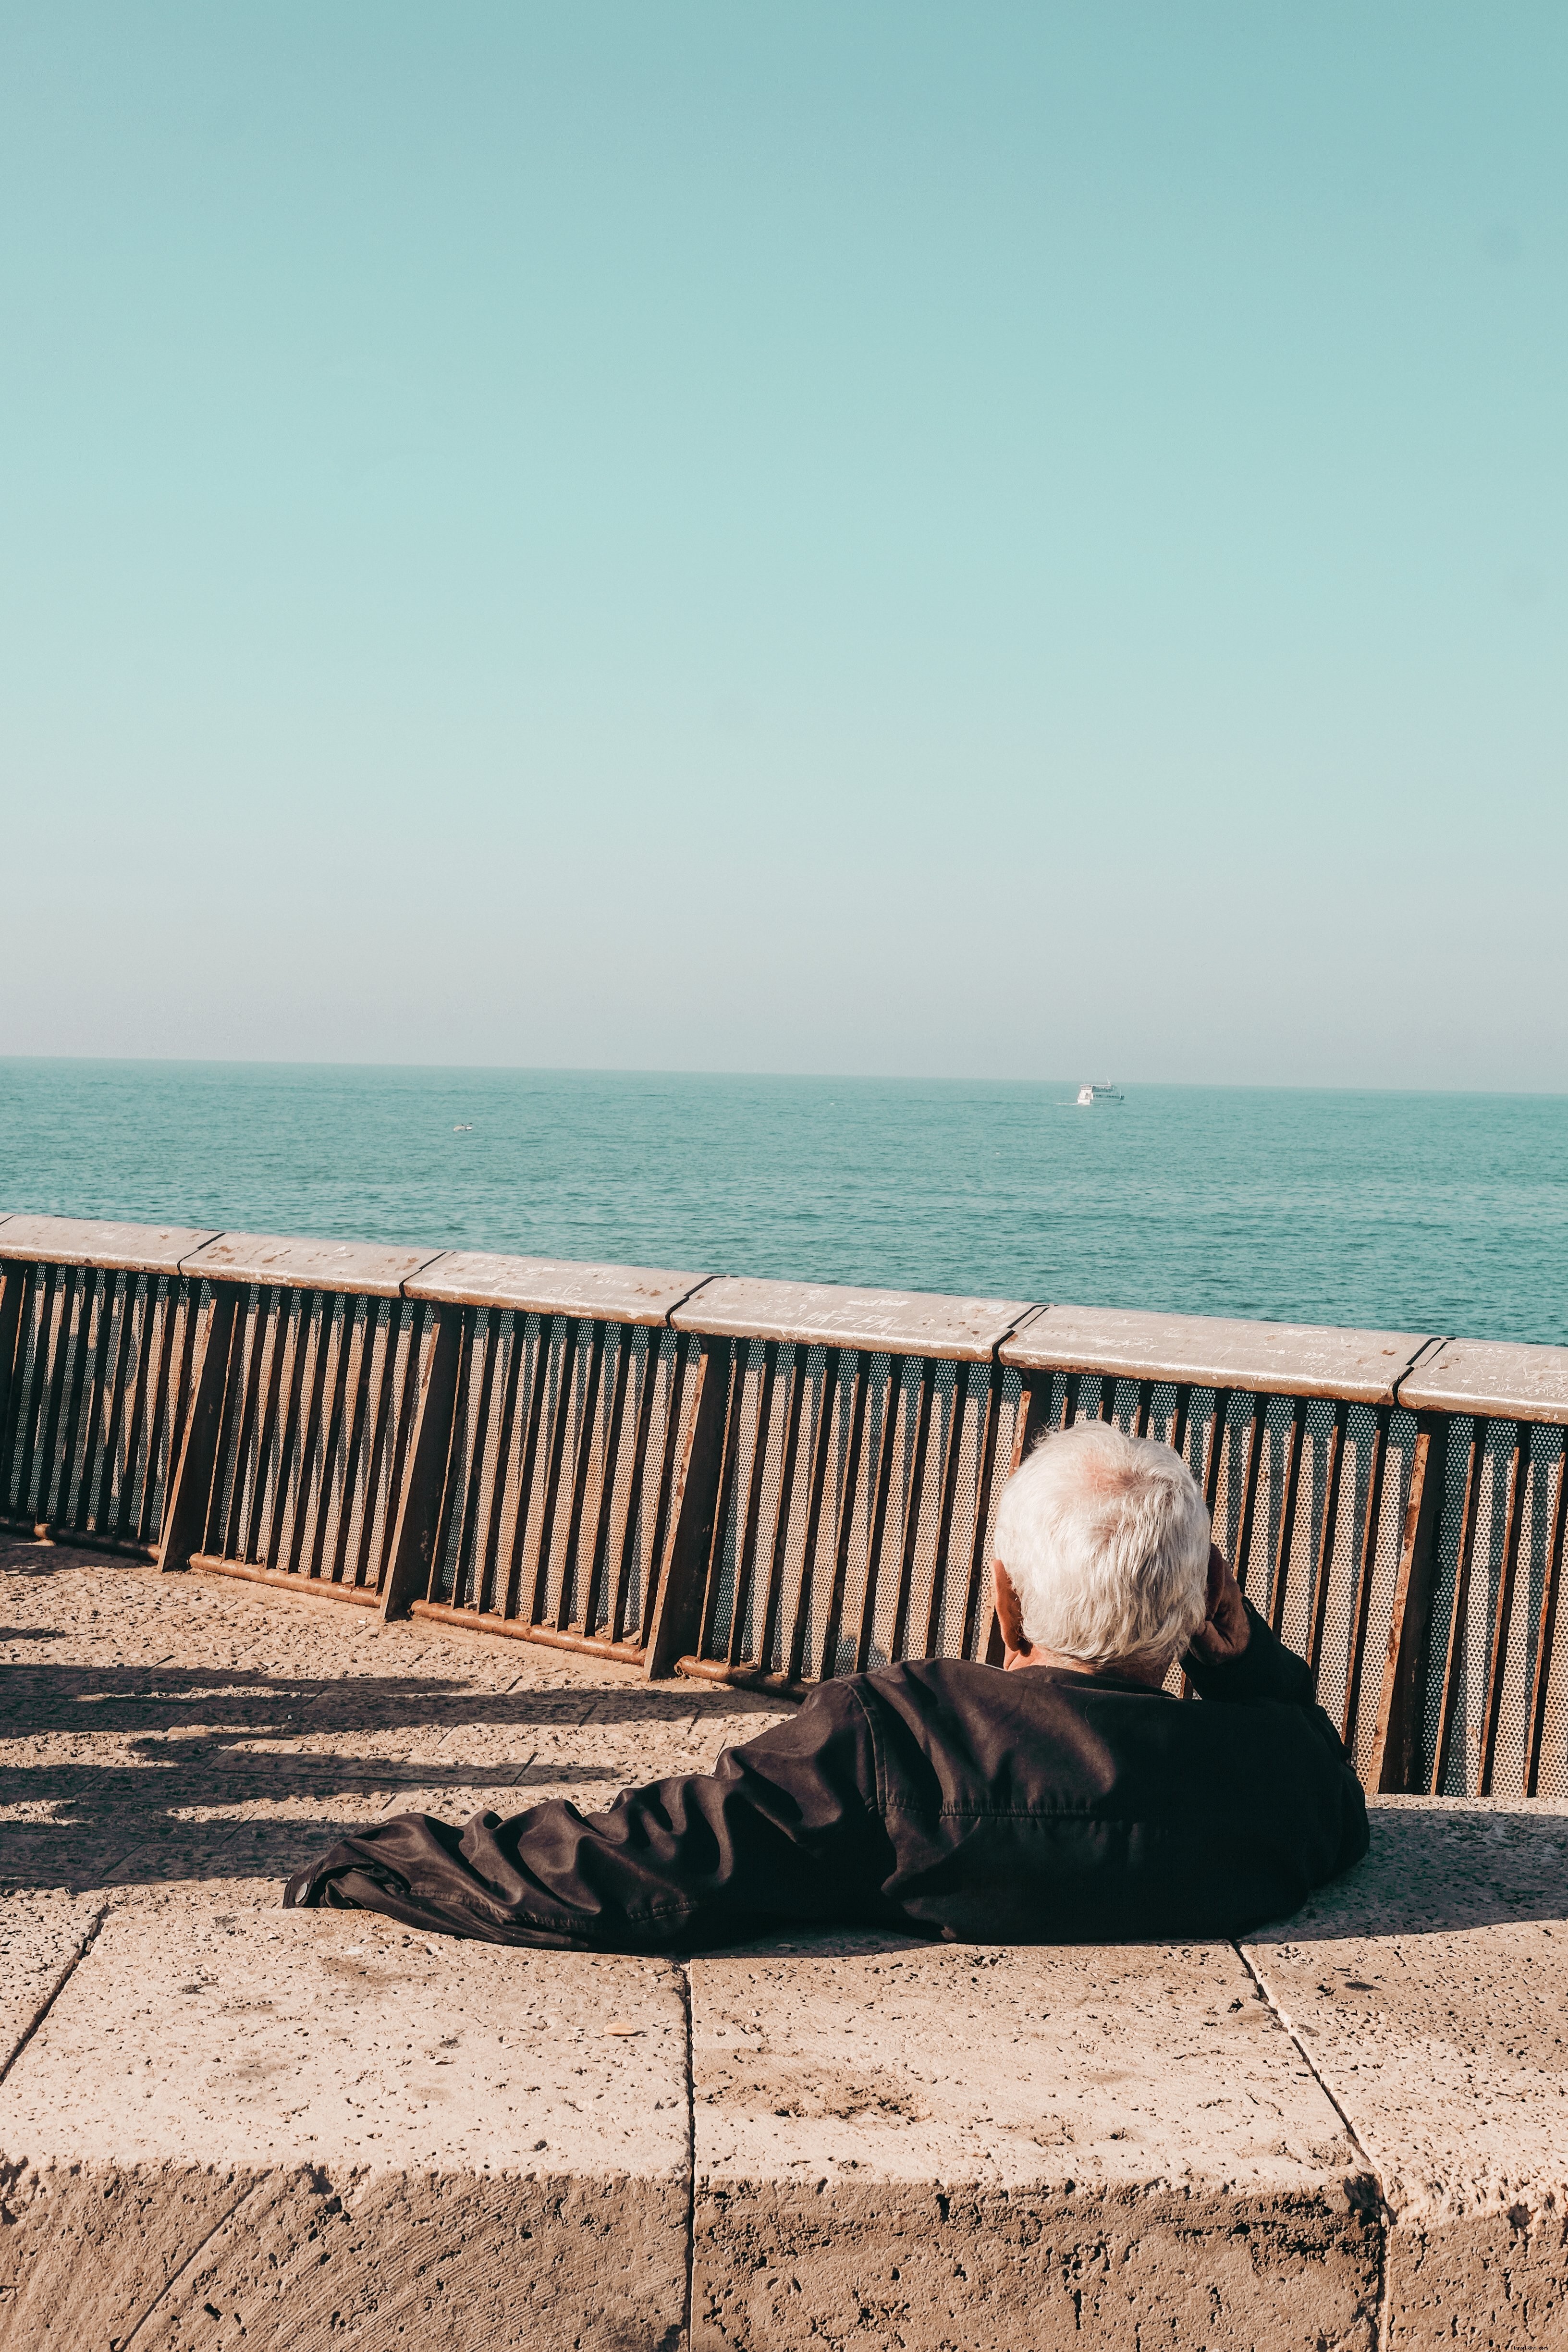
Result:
x=768 y=1483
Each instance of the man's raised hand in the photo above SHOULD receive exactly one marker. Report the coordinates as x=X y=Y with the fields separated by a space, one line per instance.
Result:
x=1224 y=1633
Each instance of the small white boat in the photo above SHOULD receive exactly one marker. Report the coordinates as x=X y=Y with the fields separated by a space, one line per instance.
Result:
x=1088 y=1095
x=464 y=1130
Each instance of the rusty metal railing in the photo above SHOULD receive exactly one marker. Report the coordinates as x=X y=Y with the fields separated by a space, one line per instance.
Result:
x=764 y=1483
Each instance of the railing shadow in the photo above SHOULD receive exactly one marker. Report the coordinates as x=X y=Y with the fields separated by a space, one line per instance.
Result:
x=1437 y=1867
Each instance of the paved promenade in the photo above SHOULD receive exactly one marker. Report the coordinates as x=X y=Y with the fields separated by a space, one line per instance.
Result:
x=225 y=2125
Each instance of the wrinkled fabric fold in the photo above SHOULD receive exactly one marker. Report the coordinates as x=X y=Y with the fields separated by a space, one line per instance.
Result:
x=941 y=1797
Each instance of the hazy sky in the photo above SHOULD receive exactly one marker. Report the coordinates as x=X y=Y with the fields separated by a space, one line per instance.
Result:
x=984 y=539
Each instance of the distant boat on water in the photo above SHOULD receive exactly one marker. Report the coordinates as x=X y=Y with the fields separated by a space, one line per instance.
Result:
x=464 y=1130
x=1088 y=1095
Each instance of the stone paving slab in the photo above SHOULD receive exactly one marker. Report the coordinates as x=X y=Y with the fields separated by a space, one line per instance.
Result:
x=1430 y=1989
x=269 y=2128
x=155 y=1729
x=42 y=1937
x=1001 y=2148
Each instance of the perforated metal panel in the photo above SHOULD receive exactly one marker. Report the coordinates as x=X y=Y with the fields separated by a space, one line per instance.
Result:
x=100 y=1386
x=317 y=1409
x=856 y=1500
x=1308 y=1497
x=1495 y=1718
x=556 y=1508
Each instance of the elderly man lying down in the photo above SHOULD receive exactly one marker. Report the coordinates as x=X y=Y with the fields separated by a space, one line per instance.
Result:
x=1061 y=1798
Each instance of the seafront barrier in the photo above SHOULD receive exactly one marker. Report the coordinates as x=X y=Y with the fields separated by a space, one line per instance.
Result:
x=680 y=1498
x=760 y=1483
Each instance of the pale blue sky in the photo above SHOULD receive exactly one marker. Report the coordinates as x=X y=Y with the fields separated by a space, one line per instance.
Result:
x=994 y=540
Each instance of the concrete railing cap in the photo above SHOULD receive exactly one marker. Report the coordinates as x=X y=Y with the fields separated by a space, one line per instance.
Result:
x=553 y=1285
x=368 y=1269
x=1212 y=1351
x=1502 y=1379
x=831 y=1315
x=87 y=1241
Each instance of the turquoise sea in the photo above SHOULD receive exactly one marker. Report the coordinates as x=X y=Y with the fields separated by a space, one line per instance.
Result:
x=1442 y=1213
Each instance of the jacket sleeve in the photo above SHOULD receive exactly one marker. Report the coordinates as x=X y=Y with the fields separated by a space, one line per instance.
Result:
x=786 y=1827
x=1267 y=1670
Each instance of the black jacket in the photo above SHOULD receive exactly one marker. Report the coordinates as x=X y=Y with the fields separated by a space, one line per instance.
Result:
x=947 y=1798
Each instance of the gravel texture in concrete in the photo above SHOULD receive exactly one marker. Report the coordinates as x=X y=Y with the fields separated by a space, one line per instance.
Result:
x=227 y=2114
x=1430 y=1990
x=223 y=2124
x=990 y=2147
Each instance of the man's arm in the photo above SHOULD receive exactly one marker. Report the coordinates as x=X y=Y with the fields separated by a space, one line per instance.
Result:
x=1236 y=1655
x=786 y=1827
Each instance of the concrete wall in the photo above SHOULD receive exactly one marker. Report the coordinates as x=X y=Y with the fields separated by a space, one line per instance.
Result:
x=227 y=2125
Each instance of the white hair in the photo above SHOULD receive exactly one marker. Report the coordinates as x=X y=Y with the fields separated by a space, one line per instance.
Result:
x=1105 y=1540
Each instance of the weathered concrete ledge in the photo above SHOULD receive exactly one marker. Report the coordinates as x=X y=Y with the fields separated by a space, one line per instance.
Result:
x=1428 y=1372
x=244 y=2125
x=222 y=2122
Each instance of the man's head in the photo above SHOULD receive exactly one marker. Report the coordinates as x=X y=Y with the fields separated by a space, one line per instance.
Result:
x=1102 y=1551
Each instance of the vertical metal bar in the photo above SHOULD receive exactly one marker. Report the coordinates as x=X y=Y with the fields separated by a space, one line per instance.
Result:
x=57 y=1388
x=1070 y=1387
x=254 y=1345
x=778 y=1538
x=395 y=1322
x=746 y=1549
x=37 y=1388
x=976 y=1607
x=1322 y=1567
x=729 y=1459
x=1145 y=1398
x=424 y=1320
x=1177 y=1441
x=91 y=1452
x=632 y=1531
x=598 y=1563
x=92 y=1284
x=331 y=1434
x=1551 y=1583
x=1249 y=1492
x=1396 y=1745
x=878 y=1530
x=1361 y=1606
x=830 y=1631
x=916 y=1494
x=693 y=1501
x=486 y=1552
x=1462 y=1597
x=142 y=1391
x=674 y=1468
x=819 y=1448
x=431 y=1446
x=277 y=1335
x=953 y=1456
x=580 y=1468
x=17 y=1286
x=1032 y=1413
x=1108 y=1396
x=354 y=1448
x=513 y=1603
x=174 y=1397
x=188 y=1500
x=298 y=1310
x=1517 y=1477
x=114 y=1509
x=558 y=1427
x=1214 y=1452
x=312 y=1454
x=478 y=1421
x=1287 y=1515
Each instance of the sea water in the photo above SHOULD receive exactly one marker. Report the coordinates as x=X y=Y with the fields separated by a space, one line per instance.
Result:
x=1414 y=1212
